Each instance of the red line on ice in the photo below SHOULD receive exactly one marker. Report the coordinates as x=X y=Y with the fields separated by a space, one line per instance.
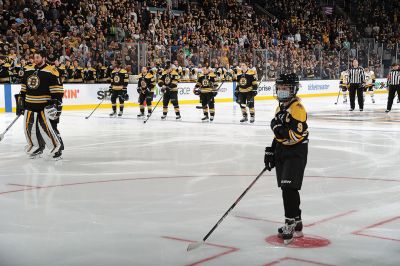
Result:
x=20 y=185
x=307 y=225
x=230 y=250
x=296 y=259
x=172 y=177
x=330 y=218
x=359 y=232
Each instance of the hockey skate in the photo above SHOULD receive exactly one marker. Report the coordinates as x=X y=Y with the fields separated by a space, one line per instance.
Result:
x=252 y=119
x=113 y=114
x=205 y=119
x=211 y=118
x=141 y=115
x=120 y=113
x=36 y=153
x=244 y=119
x=298 y=229
x=178 y=117
x=149 y=113
x=288 y=231
x=57 y=156
x=163 y=117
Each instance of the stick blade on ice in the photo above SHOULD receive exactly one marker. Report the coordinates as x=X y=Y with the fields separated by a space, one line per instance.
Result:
x=194 y=245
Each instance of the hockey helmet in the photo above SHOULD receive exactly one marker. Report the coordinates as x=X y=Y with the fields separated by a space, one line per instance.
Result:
x=286 y=87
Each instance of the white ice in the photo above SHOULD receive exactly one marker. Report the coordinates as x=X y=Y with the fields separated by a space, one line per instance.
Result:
x=126 y=191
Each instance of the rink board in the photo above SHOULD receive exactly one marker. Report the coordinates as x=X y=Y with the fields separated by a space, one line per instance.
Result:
x=88 y=96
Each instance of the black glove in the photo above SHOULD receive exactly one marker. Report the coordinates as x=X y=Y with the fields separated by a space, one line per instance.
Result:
x=19 y=104
x=110 y=90
x=255 y=92
x=269 y=158
x=139 y=90
x=215 y=93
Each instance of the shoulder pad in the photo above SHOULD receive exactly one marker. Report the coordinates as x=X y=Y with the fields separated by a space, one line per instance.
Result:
x=123 y=71
x=52 y=70
x=298 y=111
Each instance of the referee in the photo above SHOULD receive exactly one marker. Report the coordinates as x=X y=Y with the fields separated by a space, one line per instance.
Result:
x=393 y=82
x=357 y=82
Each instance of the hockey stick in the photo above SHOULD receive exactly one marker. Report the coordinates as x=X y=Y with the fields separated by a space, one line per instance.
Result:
x=144 y=122
x=12 y=123
x=87 y=117
x=194 y=245
x=201 y=107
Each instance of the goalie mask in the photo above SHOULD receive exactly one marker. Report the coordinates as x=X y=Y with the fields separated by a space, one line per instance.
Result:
x=286 y=87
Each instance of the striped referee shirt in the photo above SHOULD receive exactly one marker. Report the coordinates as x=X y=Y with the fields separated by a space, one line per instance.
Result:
x=394 y=77
x=356 y=75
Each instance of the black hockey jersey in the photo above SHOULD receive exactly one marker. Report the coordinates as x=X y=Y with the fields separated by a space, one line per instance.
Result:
x=169 y=80
x=147 y=82
x=295 y=129
x=39 y=86
x=119 y=79
x=5 y=73
x=246 y=82
x=206 y=83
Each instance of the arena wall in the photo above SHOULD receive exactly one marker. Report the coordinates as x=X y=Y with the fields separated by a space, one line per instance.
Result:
x=88 y=96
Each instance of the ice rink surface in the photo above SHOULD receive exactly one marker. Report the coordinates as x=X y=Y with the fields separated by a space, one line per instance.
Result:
x=128 y=193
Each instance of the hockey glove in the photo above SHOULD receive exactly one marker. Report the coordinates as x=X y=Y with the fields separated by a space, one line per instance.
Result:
x=269 y=158
x=19 y=104
x=51 y=112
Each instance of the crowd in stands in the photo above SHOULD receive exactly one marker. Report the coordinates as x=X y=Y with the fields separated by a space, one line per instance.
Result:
x=93 y=33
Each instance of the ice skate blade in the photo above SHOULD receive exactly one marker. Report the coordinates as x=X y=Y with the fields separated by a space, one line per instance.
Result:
x=287 y=241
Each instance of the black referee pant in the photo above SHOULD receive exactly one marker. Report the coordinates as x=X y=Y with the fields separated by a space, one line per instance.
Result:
x=392 y=93
x=353 y=90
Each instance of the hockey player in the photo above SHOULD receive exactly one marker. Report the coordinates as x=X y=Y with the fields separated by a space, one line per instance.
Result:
x=61 y=69
x=5 y=70
x=40 y=100
x=369 y=83
x=89 y=73
x=77 y=73
x=168 y=82
x=18 y=72
x=102 y=74
x=119 y=89
x=206 y=88
x=246 y=90
x=344 y=84
x=146 y=88
x=288 y=152
x=69 y=72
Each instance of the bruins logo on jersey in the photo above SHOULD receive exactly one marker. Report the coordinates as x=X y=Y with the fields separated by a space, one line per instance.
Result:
x=21 y=73
x=33 y=82
x=167 y=80
x=143 y=84
x=243 y=81
x=205 y=83
x=116 y=79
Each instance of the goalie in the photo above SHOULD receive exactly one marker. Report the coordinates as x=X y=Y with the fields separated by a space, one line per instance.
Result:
x=40 y=101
